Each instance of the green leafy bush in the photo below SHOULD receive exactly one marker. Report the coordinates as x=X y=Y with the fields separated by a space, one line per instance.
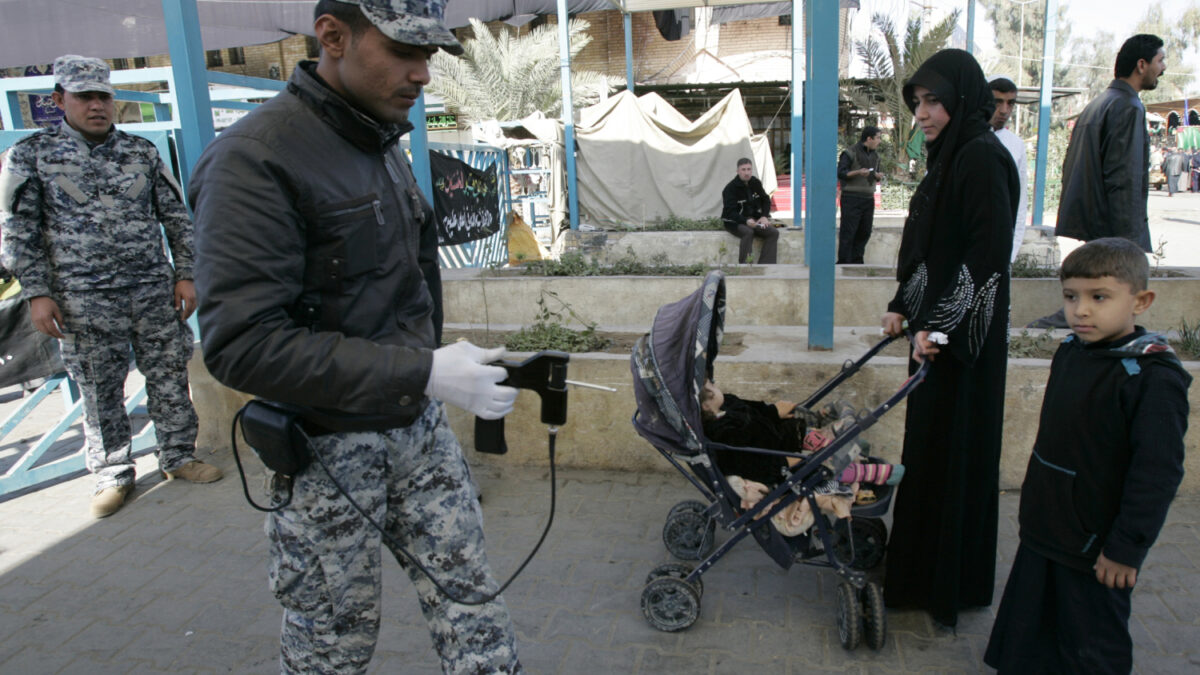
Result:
x=550 y=330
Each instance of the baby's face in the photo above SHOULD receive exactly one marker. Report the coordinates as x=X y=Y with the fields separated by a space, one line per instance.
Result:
x=716 y=400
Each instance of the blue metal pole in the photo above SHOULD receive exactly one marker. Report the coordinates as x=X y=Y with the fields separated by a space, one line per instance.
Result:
x=821 y=147
x=418 y=140
x=797 y=155
x=805 y=145
x=971 y=26
x=796 y=166
x=191 y=82
x=629 y=52
x=568 y=112
x=1051 y=25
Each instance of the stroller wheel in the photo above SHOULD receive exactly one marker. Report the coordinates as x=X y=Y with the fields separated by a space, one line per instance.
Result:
x=676 y=571
x=849 y=616
x=692 y=505
x=670 y=604
x=869 y=540
x=688 y=533
x=874 y=616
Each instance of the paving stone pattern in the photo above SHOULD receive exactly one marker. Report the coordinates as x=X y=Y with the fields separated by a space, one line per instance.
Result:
x=176 y=583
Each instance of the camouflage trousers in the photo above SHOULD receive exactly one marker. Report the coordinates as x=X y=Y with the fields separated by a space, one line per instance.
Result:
x=100 y=327
x=325 y=557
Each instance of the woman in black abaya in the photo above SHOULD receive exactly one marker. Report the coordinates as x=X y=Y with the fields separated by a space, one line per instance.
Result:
x=953 y=272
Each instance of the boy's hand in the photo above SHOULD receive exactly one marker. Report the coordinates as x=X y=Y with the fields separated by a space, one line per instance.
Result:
x=785 y=408
x=1114 y=574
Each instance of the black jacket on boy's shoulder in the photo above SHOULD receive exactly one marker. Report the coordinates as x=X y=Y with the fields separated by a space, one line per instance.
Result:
x=1109 y=452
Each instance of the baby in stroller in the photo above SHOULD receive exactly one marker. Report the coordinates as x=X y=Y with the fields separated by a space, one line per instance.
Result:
x=784 y=426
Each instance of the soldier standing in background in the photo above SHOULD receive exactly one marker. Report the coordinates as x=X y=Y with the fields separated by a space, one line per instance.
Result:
x=80 y=207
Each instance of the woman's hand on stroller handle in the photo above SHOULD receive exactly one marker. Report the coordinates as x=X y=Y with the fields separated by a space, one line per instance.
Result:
x=894 y=324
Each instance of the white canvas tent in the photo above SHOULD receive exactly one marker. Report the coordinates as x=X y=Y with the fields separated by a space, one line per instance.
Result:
x=639 y=159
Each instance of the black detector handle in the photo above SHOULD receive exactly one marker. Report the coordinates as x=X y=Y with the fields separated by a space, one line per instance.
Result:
x=545 y=373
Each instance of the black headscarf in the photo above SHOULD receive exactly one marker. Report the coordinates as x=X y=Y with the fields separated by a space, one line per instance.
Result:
x=955 y=77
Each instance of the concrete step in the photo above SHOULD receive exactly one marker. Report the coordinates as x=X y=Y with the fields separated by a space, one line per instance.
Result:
x=717 y=247
x=757 y=295
x=773 y=363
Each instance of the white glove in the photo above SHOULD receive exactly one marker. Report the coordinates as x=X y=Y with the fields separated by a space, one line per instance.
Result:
x=458 y=377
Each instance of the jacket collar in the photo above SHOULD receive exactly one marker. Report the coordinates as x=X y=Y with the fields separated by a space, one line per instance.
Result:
x=350 y=123
x=1123 y=87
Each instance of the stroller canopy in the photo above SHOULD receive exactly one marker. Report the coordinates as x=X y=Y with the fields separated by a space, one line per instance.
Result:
x=671 y=362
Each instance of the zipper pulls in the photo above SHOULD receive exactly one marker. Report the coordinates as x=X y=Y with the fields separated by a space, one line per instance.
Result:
x=378 y=205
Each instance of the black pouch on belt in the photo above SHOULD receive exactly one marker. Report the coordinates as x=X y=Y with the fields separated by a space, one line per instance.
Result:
x=273 y=431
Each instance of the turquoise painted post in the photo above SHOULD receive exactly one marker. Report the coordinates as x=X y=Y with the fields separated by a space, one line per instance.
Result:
x=797 y=155
x=629 y=52
x=821 y=147
x=1039 y=191
x=191 y=83
x=568 y=112
x=971 y=26
x=419 y=145
x=806 y=146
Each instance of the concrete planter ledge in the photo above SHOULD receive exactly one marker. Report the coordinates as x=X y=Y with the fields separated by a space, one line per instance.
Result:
x=774 y=365
x=775 y=295
x=719 y=247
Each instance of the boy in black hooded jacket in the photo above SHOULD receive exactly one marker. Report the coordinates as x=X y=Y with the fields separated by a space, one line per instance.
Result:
x=1105 y=467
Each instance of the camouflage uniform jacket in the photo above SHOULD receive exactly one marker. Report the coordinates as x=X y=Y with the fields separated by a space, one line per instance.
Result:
x=80 y=218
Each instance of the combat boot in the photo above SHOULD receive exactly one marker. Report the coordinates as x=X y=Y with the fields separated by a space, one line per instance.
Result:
x=195 y=471
x=109 y=500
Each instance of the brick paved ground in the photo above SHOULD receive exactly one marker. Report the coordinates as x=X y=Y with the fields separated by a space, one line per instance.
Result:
x=175 y=583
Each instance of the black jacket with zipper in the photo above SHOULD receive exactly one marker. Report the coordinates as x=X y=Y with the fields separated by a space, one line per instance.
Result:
x=1109 y=452
x=316 y=265
x=1106 y=171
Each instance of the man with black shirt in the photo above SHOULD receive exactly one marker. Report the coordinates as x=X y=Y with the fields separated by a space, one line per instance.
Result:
x=858 y=172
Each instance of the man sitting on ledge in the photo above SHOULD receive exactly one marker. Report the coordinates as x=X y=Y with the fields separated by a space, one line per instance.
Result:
x=747 y=214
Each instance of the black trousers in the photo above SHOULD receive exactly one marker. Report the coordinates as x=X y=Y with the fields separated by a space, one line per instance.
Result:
x=858 y=215
x=1055 y=619
x=769 y=235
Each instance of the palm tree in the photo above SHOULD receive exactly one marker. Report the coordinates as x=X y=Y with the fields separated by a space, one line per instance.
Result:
x=890 y=63
x=503 y=77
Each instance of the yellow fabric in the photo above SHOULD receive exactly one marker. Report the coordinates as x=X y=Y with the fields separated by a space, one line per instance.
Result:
x=523 y=245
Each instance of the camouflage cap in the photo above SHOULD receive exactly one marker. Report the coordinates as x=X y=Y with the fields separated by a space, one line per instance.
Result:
x=413 y=22
x=78 y=74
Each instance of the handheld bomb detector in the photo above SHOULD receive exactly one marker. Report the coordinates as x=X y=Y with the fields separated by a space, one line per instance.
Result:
x=545 y=373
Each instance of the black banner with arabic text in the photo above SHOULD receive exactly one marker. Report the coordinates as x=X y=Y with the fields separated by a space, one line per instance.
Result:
x=466 y=201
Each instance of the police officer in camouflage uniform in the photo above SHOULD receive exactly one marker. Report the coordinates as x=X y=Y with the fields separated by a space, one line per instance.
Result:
x=319 y=287
x=80 y=207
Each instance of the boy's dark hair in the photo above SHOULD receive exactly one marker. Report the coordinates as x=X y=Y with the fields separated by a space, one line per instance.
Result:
x=868 y=132
x=1108 y=257
x=744 y=160
x=345 y=12
x=1136 y=48
x=1003 y=85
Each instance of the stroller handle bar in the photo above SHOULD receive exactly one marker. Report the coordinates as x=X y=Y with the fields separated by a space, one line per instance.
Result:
x=849 y=368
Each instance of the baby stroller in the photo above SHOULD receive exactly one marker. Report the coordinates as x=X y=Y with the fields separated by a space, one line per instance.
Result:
x=670 y=365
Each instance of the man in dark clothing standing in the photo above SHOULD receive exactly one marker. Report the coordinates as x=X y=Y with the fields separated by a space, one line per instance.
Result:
x=857 y=171
x=1106 y=173
x=1194 y=160
x=317 y=273
x=747 y=214
x=1175 y=165
x=1106 y=180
